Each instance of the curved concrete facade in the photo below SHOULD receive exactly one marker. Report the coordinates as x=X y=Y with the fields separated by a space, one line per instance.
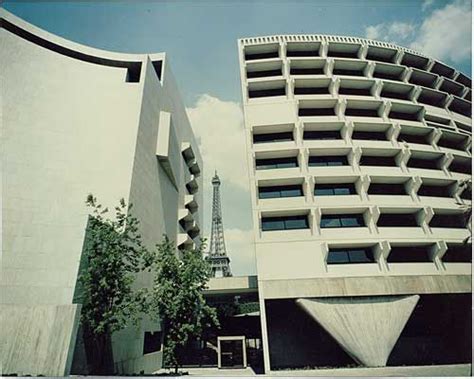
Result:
x=359 y=160
x=78 y=120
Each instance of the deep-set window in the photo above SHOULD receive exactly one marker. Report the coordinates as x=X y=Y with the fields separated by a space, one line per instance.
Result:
x=272 y=192
x=332 y=160
x=387 y=189
x=405 y=254
x=370 y=136
x=369 y=160
x=458 y=253
x=321 y=134
x=342 y=221
x=271 y=163
x=350 y=255
x=430 y=164
x=457 y=221
x=273 y=137
x=397 y=220
x=413 y=138
x=151 y=342
x=285 y=223
x=334 y=189
x=461 y=167
x=434 y=191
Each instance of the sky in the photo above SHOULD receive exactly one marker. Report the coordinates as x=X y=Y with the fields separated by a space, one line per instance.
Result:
x=200 y=39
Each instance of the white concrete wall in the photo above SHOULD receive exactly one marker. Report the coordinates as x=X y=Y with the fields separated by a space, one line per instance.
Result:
x=71 y=128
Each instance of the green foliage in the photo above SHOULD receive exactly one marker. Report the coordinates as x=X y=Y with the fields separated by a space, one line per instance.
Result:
x=177 y=297
x=114 y=253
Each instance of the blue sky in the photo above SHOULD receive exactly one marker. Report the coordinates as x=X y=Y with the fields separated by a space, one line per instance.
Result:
x=200 y=38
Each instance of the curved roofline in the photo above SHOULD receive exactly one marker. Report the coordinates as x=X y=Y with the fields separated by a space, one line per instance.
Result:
x=333 y=38
x=72 y=49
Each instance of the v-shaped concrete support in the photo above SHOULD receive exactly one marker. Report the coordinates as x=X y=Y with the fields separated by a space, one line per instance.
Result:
x=367 y=328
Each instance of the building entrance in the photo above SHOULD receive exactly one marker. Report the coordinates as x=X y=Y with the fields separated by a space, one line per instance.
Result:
x=232 y=352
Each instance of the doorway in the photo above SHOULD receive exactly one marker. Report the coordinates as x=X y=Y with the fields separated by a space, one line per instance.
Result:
x=231 y=352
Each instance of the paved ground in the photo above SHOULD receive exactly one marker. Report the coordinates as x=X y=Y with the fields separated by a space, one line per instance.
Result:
x=404 y=371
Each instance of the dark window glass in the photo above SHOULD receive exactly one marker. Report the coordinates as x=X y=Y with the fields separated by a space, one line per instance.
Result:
x=342 y=221
x=350 y=255
x=430 y=164
x=371 y=136
x=354 y=91
x=285 y=223
x=152 y=342
x=387 y=75
x=461 y=253
x=461 y=167
x=466 y=194
x=262 y=74
x=335 y=160
x=280 y=191
x=307 y=71
x=395 y=95
x=401 y=254
x=368 y=160
x=335 y=189
x=434 y=191
x=355 y=112
x=302 y=53
x=457 y=221
x=271 y=163
x=311 y=90
x=272 y=54
x=451 y=144
x=344 y=72
x=316 y=112
x=267 y=92
x=387 y=189
x=273 y=137
x=403 y=116
x=413 y=138
x=397 y=220
x=322 y=135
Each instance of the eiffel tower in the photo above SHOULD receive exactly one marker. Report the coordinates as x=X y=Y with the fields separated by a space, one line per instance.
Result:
x=217 y=256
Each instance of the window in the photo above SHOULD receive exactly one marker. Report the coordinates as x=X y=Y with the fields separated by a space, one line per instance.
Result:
x=369 y=160
x=458 y=253
x=347 y=72
x=413 y=138
x=321 y=135
x=280 y=191
x=342 y=221
x=354 y=91
x=152 y=342
x=285 y=223
x=307 y=71
x=429 y=164
x=397 y=220
x=311 y=90
x=457 y=221
x=387 y=189
x=333 y=160
x=272 y=54
x=264 y=73
x=466 y=194
x=434 y=191
x=316 y=112
x=334 y=189
x=371 y=136
x=350 y=255
x=405 y=254
x=451 y=143
x=267 y=92
x=460 y=166
x=357 y=112
x=273 y=137
x=271 y=163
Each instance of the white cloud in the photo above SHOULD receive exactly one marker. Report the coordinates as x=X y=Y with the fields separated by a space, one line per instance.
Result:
x=446 y=33
x=426 y=4
x=395 y=32
x=218 y=126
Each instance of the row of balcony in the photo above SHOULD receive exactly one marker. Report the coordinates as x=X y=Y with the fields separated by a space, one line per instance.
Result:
x=363 y=53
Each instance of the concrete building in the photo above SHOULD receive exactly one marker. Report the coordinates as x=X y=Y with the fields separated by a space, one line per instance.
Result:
x=77 y=120
x=359 y=159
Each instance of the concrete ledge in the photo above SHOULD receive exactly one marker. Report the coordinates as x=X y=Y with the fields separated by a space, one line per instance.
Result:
x=365 y=286
x=232 y=284
x=441 y=370
x=38 y=339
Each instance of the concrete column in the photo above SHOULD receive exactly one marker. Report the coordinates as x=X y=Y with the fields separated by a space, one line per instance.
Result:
x=385 y=110
x=377 y=88
x=329 y=66
x=347 y=130
x=394 y=132
x=399 y=56
x=354 y=157
x=415 y=93
x=362 y=53
x=437 y=252
x=317 y=221
x=371 y=217
x=434 y=138
x=413 y=186
x=334 y=86
x=369 y=70
x=263 y=325
x=402 y=158
x=382 y=249
x=341 y=108
x=362 y=186
x=407 y=74
x=445 y=162
x=424 y=217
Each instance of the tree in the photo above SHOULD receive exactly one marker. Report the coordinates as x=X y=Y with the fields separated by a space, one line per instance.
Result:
x=177 y=297
x=113 y=254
